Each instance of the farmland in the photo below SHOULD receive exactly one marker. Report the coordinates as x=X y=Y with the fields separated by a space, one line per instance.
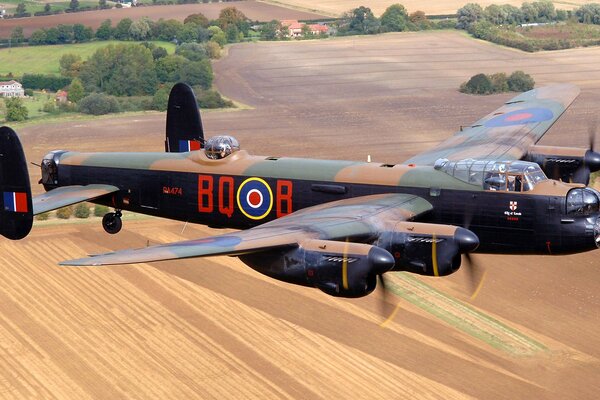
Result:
x=256 y=11
x=214 y=328
x=437 y=7
x=45 y=59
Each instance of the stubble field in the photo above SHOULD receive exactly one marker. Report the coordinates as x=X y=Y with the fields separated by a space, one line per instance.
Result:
x=213 y=328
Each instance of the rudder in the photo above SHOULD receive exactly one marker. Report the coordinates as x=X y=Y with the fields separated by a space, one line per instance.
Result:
x=184 y=126
x=16 y=209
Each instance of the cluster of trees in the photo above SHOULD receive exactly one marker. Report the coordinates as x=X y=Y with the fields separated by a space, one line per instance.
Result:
x=541 y=11
x=132 y=76
x=15 y=110
x=231 y=26
x=588 y=13
x=74 y=6
x=518 y=81
x=61 y=34
x=395 y=18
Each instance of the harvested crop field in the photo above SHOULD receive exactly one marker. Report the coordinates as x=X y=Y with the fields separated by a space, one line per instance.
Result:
x=214 y=328
x=437 y=7
x=254 y=10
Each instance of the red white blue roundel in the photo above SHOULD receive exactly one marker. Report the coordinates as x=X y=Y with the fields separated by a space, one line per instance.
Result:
x=255 y=198
x=521 y=117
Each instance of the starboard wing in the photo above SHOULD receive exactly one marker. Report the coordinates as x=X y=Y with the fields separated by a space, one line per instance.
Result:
x=67 y=195
x=507 y=133
x=350 y=219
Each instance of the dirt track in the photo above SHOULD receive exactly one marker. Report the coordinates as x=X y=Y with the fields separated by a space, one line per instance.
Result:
x=214 y=328
x=256 y=11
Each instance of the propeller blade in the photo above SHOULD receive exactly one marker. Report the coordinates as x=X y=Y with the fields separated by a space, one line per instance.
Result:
x=475 y=275
x=384 y=294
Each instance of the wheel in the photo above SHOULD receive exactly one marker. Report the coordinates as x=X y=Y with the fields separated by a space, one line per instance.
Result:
x=112 y=223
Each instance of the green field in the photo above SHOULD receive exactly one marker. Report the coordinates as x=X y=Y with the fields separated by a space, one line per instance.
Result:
x=45 y=59
x=35 y=6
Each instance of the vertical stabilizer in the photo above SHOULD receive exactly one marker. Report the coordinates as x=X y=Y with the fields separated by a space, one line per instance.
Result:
x=184 y=126
x=16 y=211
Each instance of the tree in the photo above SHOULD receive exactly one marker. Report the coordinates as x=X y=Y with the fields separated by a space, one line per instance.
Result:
x=75 y=92
x=122 y=29
x=168 y=69
x=52 y=36
x=98 y=104
x=16 y=35
x=478 y=84
x=70 y=64
x=140 y=29
x=231 y=16
x=160 y=100
x=468 y=15
x=588 y=13
x=64 y=33
x=519 y=81
x=105 y=30
x=198 y=73
x=159 y=53
x=82 y=33
x=167 y=30
x=74 y=5
x=217 y=35
x=499 y=82
x=188 y=33
x=197 y=19
x=192 y=51
x=270 y=30
x=361 y=21
x=232 y=33
x=21 y=9
x=213 y=50
x=121 y=70
x=65 y=212
x=102 y=4
x=394 y=18
x=82 y=210
x=15 y=110
x=47 y=8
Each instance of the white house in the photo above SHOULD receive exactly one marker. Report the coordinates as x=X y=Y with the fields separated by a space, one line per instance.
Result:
x=11 y=89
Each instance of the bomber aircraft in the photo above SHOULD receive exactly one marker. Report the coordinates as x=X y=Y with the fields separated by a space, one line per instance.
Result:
x=334 y=225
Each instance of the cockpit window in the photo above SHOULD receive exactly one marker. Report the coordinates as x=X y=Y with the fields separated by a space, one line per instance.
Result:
x=582 y=201
x=514 y=176
x=218 y=147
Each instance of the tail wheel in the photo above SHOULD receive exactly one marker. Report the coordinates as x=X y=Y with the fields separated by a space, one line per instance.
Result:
x=112 y=223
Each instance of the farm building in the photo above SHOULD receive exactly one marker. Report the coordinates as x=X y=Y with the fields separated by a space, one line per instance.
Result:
x=295 y=28
x=11 y=89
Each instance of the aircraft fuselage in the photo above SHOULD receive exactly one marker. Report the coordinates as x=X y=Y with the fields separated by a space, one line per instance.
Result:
x=243 y=191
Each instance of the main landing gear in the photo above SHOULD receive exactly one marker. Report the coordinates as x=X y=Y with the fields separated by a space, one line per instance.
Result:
x=112 y=223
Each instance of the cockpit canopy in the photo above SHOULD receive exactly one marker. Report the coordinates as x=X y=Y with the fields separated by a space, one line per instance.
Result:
x=514 y=176
x=219 y=147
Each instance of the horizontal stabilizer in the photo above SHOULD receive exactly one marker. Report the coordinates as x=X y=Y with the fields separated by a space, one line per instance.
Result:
x=67 y=195
x=16 y=213
x=184 y=126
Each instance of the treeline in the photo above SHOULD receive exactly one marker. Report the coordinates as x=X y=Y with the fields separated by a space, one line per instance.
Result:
x=231 y=26
x=518 y=81
x=74 y=6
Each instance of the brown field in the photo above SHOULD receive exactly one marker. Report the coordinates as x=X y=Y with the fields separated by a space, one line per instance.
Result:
x=437 y=7
x=212 y=328
x=252 y=9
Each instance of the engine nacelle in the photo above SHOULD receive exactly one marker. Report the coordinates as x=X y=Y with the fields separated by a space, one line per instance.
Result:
x=342 y=269
x=428 y=249
x=568 y=164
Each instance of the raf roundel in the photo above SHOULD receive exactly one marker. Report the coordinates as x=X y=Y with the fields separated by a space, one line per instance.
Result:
x=255 y=198
x=531 y=115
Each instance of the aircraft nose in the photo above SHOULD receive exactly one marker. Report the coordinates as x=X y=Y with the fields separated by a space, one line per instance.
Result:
x=467 y=241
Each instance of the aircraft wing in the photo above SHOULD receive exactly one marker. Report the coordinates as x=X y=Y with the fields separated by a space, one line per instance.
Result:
x=67 y=195
x=352 y=219
x=507 y=133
